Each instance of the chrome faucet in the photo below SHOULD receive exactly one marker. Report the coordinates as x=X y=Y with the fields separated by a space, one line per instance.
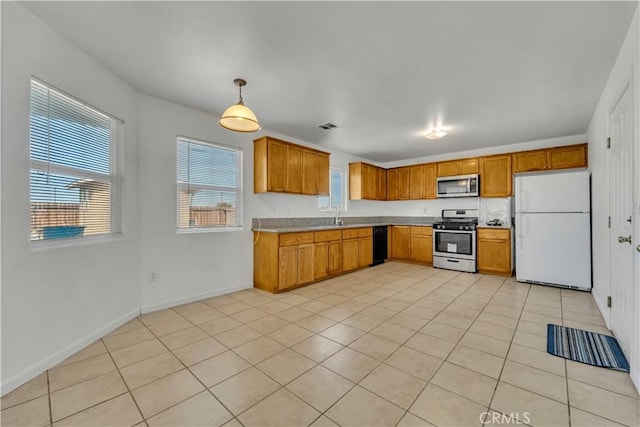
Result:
x=337 y=220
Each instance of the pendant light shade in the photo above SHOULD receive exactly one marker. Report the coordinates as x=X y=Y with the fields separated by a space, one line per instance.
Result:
x=239 y=117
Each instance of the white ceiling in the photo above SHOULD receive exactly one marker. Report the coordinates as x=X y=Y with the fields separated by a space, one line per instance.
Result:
x=493 y=73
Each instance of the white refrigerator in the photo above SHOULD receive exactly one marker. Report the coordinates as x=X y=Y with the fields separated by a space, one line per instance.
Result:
x=553 y=229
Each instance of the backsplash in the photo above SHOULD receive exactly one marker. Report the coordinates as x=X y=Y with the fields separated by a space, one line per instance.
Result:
x=495 y=208
x=348 y=220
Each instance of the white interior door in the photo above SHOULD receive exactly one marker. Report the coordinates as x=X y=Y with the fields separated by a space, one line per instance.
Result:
x=621 y=210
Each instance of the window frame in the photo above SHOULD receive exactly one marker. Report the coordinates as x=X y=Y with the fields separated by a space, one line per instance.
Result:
x=114 y=177
x=345 y=188
x=239 y=189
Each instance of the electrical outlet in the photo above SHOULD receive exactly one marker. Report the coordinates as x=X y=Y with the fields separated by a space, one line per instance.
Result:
x=153 y=277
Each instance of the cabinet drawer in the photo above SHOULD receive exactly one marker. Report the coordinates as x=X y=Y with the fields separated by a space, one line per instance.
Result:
x=295 y=238
x=351 y=233
x=326 y=236
x=365 y=232
x=494 y=233
x=422 y=231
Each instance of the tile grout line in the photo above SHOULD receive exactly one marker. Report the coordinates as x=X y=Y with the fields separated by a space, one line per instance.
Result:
x=49 y=399
x=566 y=370
x=125 y=382
x=504 y=362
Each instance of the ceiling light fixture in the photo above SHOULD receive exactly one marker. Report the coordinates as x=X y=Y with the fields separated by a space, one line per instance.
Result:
x=436 y=134
x=239 y=117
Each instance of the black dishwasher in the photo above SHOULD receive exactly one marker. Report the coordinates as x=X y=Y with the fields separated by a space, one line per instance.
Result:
x=379 y=244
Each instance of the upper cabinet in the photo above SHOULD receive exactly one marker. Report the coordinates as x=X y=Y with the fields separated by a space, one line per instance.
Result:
x=367 y=182
x=283 y=167
x=495 y=176
x=458 y=167
x=572 y=156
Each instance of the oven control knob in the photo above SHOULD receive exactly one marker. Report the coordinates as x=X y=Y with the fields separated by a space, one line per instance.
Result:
x=461 y=228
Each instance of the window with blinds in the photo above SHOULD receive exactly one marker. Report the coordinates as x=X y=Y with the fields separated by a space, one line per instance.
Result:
x=209 y=178
x=74 y=181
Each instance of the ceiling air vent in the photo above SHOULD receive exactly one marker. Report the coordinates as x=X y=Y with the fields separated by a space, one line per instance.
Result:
x=328 y=126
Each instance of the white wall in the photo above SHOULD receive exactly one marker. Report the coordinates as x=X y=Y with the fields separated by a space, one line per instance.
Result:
x=56 y=301
x=625 y=69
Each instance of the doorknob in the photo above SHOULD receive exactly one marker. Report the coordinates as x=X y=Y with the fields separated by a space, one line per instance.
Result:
x=638 y=248
x=622 y=239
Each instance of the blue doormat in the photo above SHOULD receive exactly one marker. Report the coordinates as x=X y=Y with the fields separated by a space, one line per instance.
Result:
x=586 y=347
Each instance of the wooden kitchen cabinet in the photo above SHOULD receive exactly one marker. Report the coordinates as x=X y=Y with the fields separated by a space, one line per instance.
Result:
x=458 y=167
x=365 y=246
x=350 y=258
x=494 y=251
x=296 y=265
x=283 y=167
x=315 y=173
x=430 y=180
x=366 y=182
x=495 y=176
x=392 y=184
x=403 y=184
x=327 y=259
x=572 y=156
x=416 y=182
x=422 y=244
x=401 y=242
x=526 y=161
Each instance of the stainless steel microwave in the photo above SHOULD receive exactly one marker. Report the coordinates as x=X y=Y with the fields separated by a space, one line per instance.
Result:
x=459 y=186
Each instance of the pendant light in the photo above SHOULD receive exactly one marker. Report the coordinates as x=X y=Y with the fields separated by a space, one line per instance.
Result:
x=239 y=117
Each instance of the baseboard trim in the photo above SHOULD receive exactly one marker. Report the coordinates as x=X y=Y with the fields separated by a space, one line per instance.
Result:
x=214 y=293
x=39 y=367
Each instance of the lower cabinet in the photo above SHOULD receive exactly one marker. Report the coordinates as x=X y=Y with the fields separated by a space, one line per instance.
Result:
x=296 y=265
x=400 y=242
x=350 y=259
x=327 y=260
x=422 y=245
x=494 y=251
x=412 y=243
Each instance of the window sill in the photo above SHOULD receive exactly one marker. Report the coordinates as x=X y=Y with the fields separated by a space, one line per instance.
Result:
x=69 y=242
x=209 y=230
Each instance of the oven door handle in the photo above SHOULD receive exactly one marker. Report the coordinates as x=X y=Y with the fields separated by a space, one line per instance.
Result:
x=456 y=231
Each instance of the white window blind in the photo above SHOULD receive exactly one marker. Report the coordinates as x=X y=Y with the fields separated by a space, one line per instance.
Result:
x=209 y=178
x=337 y=198
x=74 y=181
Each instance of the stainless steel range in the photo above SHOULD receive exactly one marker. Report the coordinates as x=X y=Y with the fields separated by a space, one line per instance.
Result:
x=454 y=240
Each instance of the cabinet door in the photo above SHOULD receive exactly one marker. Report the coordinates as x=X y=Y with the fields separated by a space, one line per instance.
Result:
x=322 y=173
x=495 y=176
x=276 y=166
x=574 y=156
x=400 y=242
x=305 y=263
x=403 y=183
x=430 y=180
x=416 y=182
x=321 y=260
x=494 y=256
x=294 y=170
x=381 y=192
x=288 y=267
x=449 y=168
x=535 y=160
x=468 y=166
x=349 y=254
x=309 y=173
x=365 y=251
x=392 y=184
x=421 y=249
x=335 y=260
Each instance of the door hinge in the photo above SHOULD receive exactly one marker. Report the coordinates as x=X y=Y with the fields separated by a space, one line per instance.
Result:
x=608 y=142
x=609 y=222
x=608 y=301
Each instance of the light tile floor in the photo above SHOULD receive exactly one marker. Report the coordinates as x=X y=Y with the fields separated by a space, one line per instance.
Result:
x=396 y=344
